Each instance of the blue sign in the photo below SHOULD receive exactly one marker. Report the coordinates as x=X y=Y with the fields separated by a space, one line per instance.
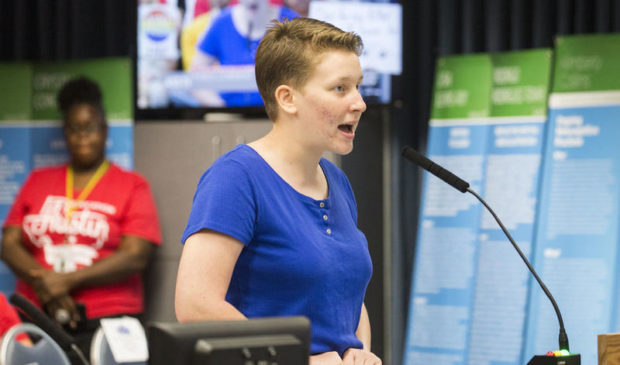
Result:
x=577 y=236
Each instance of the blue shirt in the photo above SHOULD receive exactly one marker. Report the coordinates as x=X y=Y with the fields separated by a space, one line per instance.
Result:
x=301 y=256
x=229 y=47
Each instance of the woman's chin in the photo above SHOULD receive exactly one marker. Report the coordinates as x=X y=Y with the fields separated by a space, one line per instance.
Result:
x=343 y=151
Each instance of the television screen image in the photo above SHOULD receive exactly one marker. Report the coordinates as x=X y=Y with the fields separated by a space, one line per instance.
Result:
x=199 y=54
x=281 y=340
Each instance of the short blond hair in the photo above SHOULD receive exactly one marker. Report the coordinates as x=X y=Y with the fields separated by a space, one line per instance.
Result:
x=288 y=52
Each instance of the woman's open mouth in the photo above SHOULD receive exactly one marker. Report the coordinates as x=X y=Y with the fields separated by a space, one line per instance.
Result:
x=346 y=128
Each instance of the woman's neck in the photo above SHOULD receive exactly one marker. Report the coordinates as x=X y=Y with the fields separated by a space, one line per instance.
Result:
x=297 y=164
x=87 y=169
x=292 y=152
x=82 y=174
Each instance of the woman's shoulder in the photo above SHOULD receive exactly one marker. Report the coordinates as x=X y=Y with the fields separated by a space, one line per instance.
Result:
x=288 y=13
x=47 y=171
x=43 y=176
x=241 y=155
x=241 y=161
x=126 y=176
x=224 y=16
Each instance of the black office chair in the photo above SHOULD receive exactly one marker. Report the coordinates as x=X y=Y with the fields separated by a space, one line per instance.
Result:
x=53 y=333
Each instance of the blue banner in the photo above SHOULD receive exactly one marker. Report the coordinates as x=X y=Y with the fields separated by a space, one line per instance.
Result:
x=470 y=287
x=14 y=167
x=577 y=236
x=511 y=178
x=444 y=274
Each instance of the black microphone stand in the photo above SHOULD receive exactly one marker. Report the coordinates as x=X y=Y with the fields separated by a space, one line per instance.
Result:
x=571 y=359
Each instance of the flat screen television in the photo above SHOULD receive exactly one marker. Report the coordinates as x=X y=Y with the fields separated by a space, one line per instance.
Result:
x=197 y=56
x=276 y=340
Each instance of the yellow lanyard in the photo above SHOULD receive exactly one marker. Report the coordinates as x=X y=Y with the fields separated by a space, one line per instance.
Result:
x=73 y=203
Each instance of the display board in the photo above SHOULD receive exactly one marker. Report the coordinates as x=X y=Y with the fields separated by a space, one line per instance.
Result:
x=470 y=288
x=577 y=236
x=443 y=280
x=30 y=127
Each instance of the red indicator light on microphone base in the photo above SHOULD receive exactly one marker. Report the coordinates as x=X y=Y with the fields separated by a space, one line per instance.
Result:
x=561 y=357
x=558 y=353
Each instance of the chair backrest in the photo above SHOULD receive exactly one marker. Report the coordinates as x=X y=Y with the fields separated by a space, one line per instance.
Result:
x=101 y=353
x=44 y=351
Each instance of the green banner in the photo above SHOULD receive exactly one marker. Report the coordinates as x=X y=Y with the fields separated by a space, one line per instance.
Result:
x=16 y=91
x=112 y=74
x=462 y=87
x=520 y=83
x=587 y=63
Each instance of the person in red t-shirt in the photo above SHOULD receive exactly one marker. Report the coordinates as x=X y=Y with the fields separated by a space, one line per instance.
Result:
x=8 y=316
x=8 y=319
x=79 y=235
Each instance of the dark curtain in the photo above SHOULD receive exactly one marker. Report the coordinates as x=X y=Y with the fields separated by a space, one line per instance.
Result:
x=434 y=28
x=49 y=30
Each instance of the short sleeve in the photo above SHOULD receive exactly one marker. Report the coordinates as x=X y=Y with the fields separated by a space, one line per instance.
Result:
x=209 y=43
x=224 y=202
x=17 y=212
x=140 y=218
x=287 y=14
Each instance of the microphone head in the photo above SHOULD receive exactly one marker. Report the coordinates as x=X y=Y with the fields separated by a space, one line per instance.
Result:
x=409 y=153
x=428 y=165
x=419 y=159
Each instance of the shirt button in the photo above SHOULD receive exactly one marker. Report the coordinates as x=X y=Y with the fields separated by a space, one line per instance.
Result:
x=321 y=204
x=329 y=231
x=325 y=217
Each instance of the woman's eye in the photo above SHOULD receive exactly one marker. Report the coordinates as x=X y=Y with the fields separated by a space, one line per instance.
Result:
x=339 y=88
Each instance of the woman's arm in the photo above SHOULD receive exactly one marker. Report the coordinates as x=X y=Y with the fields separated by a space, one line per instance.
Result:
x=24 y=265
x=205 y=270
x=361 y=356
x=363 y=329
x=204 y=275
x=326 y=358
x=131 y=257
x=202 y=61
x=13 y=252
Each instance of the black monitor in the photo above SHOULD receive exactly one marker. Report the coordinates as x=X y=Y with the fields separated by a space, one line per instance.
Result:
x=192 y=59
x=281 y=340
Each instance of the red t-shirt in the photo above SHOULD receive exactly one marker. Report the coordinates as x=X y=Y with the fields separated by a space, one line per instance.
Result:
x=8 y=316
x=120 y=204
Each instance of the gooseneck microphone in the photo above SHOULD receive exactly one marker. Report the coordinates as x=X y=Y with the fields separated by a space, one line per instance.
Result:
x=64 y=340
x=428 y=165
x=463 y=186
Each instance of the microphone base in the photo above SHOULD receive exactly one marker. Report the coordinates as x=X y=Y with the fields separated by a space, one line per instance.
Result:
x=572 y=359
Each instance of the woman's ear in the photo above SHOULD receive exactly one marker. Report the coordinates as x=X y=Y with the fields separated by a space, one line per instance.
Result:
x=285 y=97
